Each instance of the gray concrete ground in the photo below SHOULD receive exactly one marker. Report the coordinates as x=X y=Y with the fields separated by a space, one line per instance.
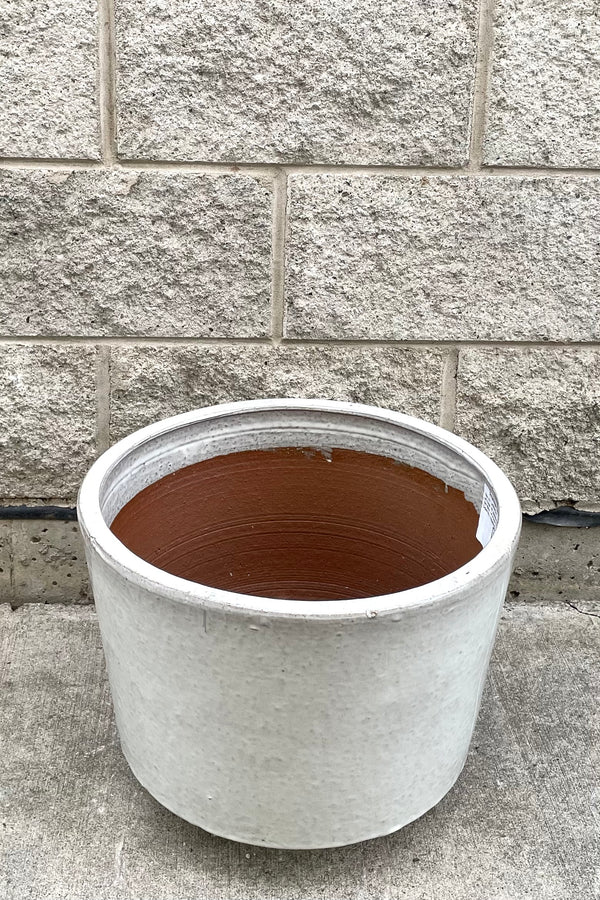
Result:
x=522 y=821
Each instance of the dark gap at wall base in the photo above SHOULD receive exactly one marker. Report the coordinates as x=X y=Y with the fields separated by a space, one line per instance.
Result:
x=63 y=513
x=563 y=516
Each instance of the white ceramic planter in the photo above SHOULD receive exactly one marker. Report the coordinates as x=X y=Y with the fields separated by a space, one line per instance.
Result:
x=297 y=723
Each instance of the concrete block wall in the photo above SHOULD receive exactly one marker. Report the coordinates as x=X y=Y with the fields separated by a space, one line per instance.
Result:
x=382 y=202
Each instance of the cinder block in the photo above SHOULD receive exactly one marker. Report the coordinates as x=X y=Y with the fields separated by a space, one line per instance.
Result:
x=557 y=563
x=121 y=252
x=536 y=412
x=42 y=561
x=149 y=383
x=49 y=562
x=544 y=106
x=5 y=562
x=47 y=418
x=48 y=75
x=443 y=258
x=247 y=81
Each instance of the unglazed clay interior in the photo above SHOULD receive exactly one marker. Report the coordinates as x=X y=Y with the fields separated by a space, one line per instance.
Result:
x=301 y=524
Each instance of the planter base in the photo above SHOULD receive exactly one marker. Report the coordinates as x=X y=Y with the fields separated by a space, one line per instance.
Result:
x=327 y=843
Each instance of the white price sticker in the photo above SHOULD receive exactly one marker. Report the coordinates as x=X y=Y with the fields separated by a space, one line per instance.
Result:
x=488 y=517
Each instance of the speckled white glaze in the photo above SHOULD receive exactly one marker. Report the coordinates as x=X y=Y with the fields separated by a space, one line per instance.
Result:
x=294 y=724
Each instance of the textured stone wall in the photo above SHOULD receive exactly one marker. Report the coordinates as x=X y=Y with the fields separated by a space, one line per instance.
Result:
x=396 y=203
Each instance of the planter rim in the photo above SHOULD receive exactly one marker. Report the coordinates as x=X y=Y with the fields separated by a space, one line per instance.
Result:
x=180 y=590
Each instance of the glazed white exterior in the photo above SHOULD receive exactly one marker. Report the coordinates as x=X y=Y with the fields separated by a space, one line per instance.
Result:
x=294 y=724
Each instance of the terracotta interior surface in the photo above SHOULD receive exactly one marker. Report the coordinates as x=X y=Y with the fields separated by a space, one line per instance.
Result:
x=301 y=524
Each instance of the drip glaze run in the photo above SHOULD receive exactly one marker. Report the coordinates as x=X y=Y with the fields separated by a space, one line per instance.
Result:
x=301 y=524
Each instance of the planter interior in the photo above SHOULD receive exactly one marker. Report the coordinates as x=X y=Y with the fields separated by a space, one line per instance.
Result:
x=302 y=523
